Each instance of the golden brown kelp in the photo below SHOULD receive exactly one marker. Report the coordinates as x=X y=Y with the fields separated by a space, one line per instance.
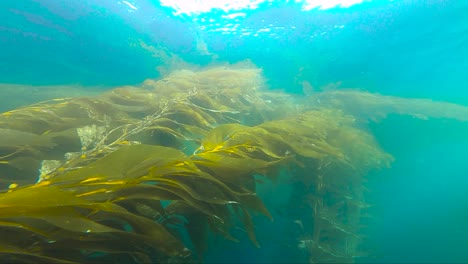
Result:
x=177 y=113
x=134 y=172
x=75 y=215
x=375 y=106
x=45 y=221
x=78 y=214
x=105 y=190
x=330 y=156
x=334 y=188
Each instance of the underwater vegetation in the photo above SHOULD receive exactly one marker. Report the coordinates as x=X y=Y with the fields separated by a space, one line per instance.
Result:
x=144 y=174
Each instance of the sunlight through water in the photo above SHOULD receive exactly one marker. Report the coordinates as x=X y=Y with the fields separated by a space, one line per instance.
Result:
x=202 y=6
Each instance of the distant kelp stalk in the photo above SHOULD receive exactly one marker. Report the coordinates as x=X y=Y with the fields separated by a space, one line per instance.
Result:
x=144 y=174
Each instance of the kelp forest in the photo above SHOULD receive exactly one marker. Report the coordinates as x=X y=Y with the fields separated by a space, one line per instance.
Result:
x=147 y=174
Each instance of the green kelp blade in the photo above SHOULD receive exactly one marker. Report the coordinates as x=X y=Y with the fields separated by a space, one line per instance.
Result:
x=161 y=192
x=246 y=219
x=109 y=243
x=209 y=194
x=219 y=135
x=128 y=162
x=186 y=171
x=253 y=202
x=233 y=170
x=69 y=219
x=16 y=256
x=190 y=116
x=166 y=130
x=204 y=207
x=119 y=238
x=15 y=234
x=23 y=163
x=41 y=199
x=197 y=229
x=149 y=208
x=11 y=137
x=254 y=141
x=208 y=186
x=142 y=191
x=39 y=196
x=154 y=233
x=22 y=227
x=205 y=102
x=184 y=129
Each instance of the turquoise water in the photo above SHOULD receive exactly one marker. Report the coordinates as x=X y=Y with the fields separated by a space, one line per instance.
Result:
x=412 y=49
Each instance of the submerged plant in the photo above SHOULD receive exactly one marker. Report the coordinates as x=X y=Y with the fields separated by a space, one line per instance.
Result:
x=140 y=175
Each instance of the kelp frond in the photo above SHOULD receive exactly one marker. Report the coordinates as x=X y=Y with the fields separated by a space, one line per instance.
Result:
x=135 y=172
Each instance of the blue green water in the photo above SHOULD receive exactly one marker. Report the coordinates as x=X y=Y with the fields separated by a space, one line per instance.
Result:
x=401 y=48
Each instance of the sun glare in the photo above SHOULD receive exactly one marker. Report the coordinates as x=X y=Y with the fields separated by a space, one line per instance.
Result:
x=193 y=7
x=325 y=4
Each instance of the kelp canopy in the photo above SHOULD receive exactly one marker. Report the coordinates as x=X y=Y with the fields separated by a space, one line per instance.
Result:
x=143 y=174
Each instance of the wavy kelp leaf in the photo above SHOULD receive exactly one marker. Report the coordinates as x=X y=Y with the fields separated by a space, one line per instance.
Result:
x=161 y=136
x=60 y=211
x=373 y=106
x=11 y=254
x=9 y=224
x=11 y=137
x=214 y=196
x=100 y=110
x=209 y=209
x=131 y=96
x=118 y=188
x=125 y=236
x=101 y=244
x=38 y=196
x=207 y=103
x=128 y=162
x=23 y=163
x=149 y=208
x=159 y=190
x=180 y=185
x=261 y=144
x=196 y=225
x=187 y=130
x=245 y=142
x=42 y=118
x=66 y=218
x=206 y=208
x=245 y=217
x=247 y=78
x=276 y=139
x=253 y=202
x=363 y=142
x=25 y=159
x=237 y=99
x=188 y=173
x=164 y=165
x=53 y=206
x=219 y=135
x=221 y=230
x=189 y=116
x=75 y=246
x=166 y=130
x=212 y=118
x=197 y=229
x=232 y=170
x=150 y=231
x=141 y=191
x=302 y=140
